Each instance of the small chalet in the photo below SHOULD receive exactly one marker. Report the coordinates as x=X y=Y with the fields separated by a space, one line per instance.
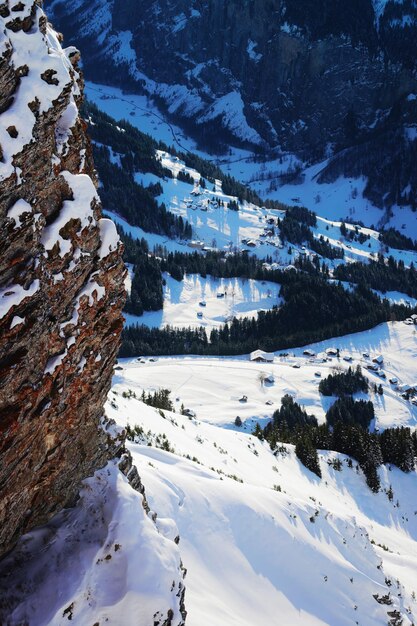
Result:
x=262 y=357
x=331 y=351
x=197 y=245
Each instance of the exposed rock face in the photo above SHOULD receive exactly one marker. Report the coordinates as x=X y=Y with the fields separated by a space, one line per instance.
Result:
x=302 y=76
x=61 y=280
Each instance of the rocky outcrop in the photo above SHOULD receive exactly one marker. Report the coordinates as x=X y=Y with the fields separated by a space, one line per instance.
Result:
x=61 y=280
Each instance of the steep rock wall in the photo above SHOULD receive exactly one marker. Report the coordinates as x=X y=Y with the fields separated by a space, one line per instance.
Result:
x=61 y=280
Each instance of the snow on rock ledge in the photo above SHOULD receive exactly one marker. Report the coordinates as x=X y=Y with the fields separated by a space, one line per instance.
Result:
x=134 y=573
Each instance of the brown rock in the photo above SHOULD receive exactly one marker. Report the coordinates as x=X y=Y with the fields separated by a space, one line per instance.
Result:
x=59 y=342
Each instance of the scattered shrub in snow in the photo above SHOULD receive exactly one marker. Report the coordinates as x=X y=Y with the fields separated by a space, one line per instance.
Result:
x=135 y=433
x=159 y=399
x=336 y=464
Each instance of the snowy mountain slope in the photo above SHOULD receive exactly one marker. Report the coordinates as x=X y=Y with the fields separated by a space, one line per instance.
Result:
x=196 y=193
x=255 y=556
x=103 y=561
x=285 y=76
x=218 y=227
x=227 y=379
x=263 y=539
x=344 y=197
x=215 y=224
x=229 y=227
x=241 y=298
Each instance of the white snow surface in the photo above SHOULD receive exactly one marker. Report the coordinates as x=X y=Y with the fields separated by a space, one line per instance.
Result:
x=16 y=212
x=230 y=108
x=242 y=298
x=15 y=294
x=212 y=387
x=102 y=562
x=109 y=237
x=40 y=54
x=17 y=321
x=261 y=536
x=264 y=540
x=79 y=208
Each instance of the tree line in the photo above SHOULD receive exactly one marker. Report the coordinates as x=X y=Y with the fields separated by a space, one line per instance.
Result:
x=346 y=431
x=121 y=194
x=312 y=310
x=295 y=227
x=138 y=152
x=382 y=275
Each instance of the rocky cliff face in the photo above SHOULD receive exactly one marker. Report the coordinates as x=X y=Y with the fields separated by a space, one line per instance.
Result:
x=61 y=279
x=301 y=76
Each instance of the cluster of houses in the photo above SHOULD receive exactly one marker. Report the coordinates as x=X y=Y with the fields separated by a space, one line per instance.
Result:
x=268 y=232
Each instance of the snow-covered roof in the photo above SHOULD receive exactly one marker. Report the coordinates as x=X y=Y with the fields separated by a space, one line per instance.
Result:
x=260 y=354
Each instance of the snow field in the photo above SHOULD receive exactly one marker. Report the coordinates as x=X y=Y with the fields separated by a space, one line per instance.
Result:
x=263 y=539
x=103 y=561
x=242 y=298
x=213 y=387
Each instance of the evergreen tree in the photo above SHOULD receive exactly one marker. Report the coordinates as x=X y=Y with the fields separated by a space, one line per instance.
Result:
x=341 y=383
x=307 y=453
x=346 y=410
x=258 y=432
x=397 y=448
